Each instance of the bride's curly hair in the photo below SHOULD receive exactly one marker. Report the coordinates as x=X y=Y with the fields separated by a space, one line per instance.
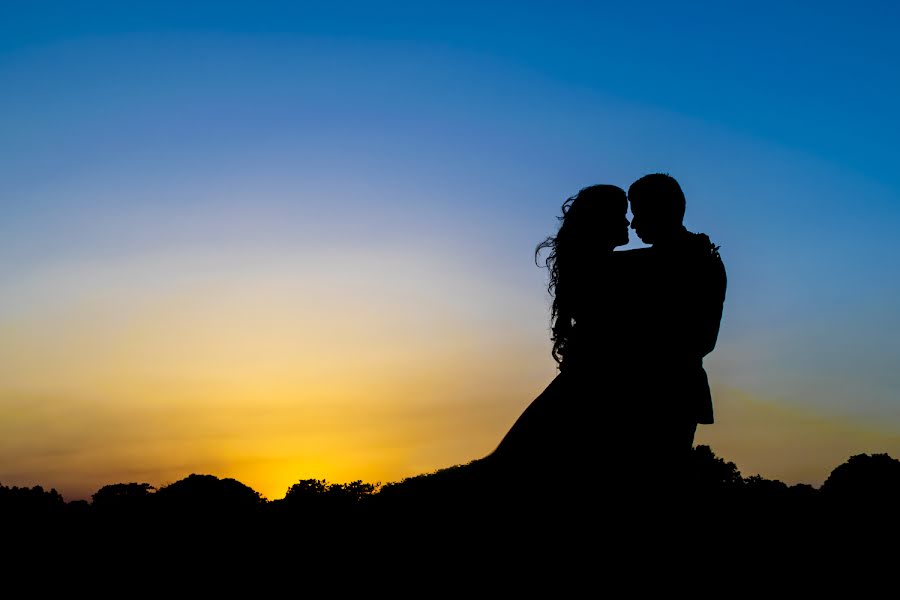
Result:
x=566 y=258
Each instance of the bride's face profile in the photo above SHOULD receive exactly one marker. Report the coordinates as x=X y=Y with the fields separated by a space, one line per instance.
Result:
x=613 y=221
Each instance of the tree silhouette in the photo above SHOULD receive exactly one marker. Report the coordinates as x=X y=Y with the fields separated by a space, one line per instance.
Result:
x=873 y=480
x=35 y=501
x=120 y=497
x=207 y=495
x=857 y=506
x=709 y=472
x=30 y=514
x=333 y=502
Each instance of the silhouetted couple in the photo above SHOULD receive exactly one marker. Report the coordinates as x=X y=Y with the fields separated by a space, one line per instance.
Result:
x=629 y=330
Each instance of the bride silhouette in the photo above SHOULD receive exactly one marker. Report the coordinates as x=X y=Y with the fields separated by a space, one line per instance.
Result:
x=565 y=432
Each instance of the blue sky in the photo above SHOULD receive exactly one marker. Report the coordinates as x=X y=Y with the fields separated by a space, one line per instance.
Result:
x=153 y=147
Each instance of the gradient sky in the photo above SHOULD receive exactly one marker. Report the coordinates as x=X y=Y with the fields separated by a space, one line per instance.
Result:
x=276 y=241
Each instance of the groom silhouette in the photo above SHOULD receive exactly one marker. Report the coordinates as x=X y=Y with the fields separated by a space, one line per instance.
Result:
x=676 y=320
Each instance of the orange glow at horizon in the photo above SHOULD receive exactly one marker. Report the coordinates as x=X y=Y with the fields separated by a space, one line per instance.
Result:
x=365 y=367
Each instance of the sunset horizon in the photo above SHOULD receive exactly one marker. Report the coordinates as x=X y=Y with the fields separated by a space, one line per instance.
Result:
x=288 y=242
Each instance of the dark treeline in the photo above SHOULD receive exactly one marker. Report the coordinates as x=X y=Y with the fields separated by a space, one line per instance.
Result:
x=866 y=480
x=465 y=509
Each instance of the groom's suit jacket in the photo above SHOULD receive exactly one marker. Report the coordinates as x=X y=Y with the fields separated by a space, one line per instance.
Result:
x=680 y=293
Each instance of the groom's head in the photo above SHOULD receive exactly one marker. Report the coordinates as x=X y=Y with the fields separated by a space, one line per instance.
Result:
x=657 y=207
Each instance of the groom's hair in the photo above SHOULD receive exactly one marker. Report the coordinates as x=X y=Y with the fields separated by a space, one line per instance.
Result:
x=661 y=192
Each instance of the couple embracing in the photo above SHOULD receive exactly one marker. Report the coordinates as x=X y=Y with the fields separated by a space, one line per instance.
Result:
x=630 y=329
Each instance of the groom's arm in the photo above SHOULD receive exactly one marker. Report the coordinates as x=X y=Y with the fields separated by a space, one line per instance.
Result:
x=711 y=301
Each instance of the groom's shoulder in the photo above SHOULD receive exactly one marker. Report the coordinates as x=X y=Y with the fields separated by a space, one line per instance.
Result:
x=704 y=255
x=698 y=245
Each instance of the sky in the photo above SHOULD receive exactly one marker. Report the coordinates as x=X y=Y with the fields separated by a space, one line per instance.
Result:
x=287 y=240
